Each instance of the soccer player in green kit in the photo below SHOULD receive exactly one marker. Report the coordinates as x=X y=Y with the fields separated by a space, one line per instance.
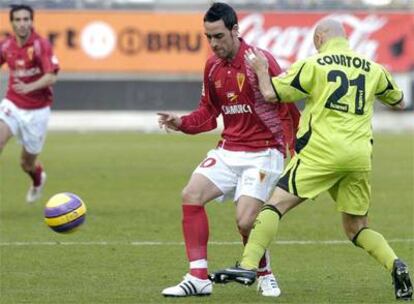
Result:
x=334 y=146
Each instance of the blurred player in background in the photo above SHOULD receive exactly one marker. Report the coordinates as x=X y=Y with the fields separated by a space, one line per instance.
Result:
x=248 y=160
x=334 y=147
x=25 y=110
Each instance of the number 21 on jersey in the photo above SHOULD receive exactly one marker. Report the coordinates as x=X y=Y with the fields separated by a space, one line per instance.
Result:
x=334 y=100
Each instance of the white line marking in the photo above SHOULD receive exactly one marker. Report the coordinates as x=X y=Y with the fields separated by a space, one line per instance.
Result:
x=161 y=243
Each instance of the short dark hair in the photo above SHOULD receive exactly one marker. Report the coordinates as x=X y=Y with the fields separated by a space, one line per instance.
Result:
x=19 y=7
x=221 y=11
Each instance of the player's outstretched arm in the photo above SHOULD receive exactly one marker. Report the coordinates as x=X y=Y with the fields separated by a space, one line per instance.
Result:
x=258 y=61
x=169 y=121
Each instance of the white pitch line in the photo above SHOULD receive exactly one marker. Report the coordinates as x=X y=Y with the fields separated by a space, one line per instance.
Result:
x=161 y=243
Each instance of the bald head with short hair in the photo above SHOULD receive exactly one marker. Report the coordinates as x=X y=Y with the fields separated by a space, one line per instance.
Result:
x=327 y=29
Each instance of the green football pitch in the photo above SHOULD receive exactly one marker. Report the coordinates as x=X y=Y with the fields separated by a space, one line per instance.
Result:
x=130 y=246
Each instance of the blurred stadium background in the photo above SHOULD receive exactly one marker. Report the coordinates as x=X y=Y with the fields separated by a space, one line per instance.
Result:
x=123 y=60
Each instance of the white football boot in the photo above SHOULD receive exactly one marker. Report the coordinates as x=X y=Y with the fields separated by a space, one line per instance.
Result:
x=190 y=286
x=268 y=286
x=35 y=193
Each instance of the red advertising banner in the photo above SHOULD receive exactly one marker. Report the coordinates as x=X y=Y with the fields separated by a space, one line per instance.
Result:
x=160 y=42
x=387 y=38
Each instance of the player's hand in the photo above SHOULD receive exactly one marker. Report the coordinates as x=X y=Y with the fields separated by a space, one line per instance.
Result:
x=398 y=107
x=21 y=87
x=169 y=121
x=257 y=60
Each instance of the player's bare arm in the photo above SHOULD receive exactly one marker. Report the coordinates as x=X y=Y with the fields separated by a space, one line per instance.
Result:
x=45 y=81
x=257 y=60
x=169 y=121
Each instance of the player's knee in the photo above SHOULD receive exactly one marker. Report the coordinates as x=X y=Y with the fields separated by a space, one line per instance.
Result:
x=351 y=231
x=3 y=142
x=244 y=225
x=26 y=166
x=190 y=195
x=353 y=224
x=5 y=135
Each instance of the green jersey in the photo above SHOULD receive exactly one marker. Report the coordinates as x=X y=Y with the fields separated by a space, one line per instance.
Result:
x=340 y=88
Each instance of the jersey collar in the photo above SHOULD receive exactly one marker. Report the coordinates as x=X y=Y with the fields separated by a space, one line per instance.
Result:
x=238 y=59
x=29 y=40
x=337 y=43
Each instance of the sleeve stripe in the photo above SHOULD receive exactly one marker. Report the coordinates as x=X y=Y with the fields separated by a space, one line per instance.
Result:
x=296 y=81
x=274 y=88
x=295 y=190
x=399 y=101
x=389 y=87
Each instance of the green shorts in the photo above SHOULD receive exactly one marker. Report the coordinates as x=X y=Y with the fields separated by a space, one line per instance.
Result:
x=351 y=190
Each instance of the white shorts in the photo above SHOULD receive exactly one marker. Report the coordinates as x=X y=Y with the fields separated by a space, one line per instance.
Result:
x=235 y=173
x=29 y=126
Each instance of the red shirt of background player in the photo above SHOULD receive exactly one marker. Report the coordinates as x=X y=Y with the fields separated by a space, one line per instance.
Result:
x=231 y=89
x=28 y=63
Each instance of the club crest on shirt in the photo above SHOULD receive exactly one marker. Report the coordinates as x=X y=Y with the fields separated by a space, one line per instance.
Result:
x=30 y=53
x=19 y=63
x=217 y=84
x=240 y=80
x=231 y=96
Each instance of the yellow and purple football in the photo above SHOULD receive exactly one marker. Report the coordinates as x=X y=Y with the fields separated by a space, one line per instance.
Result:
x=64 y=212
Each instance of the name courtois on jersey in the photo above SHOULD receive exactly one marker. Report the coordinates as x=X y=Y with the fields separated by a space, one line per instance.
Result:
x=345 y=60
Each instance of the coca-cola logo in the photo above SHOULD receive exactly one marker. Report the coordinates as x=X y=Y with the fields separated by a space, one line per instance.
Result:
x=291 y=43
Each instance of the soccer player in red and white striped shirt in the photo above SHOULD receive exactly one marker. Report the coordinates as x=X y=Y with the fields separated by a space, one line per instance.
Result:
x=25 y=110
x=248 y=159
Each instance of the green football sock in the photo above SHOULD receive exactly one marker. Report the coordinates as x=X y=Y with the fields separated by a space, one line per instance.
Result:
x=262 y=234
x=376 y=245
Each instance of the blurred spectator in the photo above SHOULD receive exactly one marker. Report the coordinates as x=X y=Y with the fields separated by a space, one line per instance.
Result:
x=201 y=4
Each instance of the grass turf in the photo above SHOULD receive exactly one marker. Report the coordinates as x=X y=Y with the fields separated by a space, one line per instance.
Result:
x=131 y=184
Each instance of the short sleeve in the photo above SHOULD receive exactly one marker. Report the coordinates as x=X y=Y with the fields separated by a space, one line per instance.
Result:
x=387 y=90
x=295 y=84
x=274 y=68
x=48 y=60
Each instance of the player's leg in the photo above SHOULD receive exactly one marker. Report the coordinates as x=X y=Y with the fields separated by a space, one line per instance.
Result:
x=5 y=134
x=352 y=195
x=202 y=187
x=284 y=198
x=247 y=209
x=297 y=183
x=260 y=172
x=266 y=226
x=356 y=228
x=199 y=191
x=264 y=231
x=34 y=169
x=353 y=198
x=33 y=128
x=9 y=124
